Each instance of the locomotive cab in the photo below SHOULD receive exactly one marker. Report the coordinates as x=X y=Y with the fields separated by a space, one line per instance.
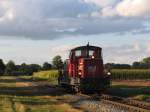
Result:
x=84 y=70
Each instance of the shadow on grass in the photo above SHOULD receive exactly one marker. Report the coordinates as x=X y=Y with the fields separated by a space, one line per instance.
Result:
x=127 y=91
x=32 y=98
x=20 y=80
x=32 y=90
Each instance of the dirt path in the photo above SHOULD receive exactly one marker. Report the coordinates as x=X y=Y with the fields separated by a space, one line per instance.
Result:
x=135 y=83
x=20 y=82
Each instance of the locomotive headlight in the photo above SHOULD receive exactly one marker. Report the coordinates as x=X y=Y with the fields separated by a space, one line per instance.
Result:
x=80 y=73
x=81 y=63
x=108 y=73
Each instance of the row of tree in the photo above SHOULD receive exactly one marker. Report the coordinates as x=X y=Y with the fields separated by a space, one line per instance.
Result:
x=143 y=64
x=27 y=69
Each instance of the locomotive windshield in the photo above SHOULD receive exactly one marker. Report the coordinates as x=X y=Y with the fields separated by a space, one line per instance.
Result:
x=83 y=53
x=86 y=52
x=78 y=53
x=91 y=52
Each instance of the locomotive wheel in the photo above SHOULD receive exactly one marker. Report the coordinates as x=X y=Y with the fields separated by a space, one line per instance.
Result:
x=76 y=89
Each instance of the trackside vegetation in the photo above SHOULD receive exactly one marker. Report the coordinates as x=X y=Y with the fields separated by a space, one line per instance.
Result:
x=50 y=75
x=117 y=74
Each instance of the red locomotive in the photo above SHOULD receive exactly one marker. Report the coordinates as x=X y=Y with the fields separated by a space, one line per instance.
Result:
x=84 y=70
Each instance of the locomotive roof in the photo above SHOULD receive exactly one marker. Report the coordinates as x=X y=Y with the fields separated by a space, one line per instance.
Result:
x=88 y=46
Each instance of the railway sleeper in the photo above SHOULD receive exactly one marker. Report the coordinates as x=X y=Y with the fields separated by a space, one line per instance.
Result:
x=124 y=106
x=132 y=102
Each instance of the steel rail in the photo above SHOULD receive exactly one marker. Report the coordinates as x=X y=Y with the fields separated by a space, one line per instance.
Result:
x=124 y=106
x=127 y=101
x=121 y=103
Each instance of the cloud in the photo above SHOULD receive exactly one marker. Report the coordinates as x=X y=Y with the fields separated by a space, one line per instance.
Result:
x=134 y=8
x=40 y=19
x=43 y=19
x=126 y=53
x=101 y=3
x=108 y=12
x=129 y=8
x=45 y=50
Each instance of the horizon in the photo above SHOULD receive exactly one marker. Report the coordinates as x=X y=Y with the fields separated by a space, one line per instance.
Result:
x=34 y=31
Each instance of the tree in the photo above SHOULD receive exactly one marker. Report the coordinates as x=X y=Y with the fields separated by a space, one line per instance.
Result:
x=57 y=62
x=34 y=68
x=10 y=68
x=146 y=61
x=24 y=69
x=46 y=66
x=2 y=67
x=117 y=66
x=136 y=65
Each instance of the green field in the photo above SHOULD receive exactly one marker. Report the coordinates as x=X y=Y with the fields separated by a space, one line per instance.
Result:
x=50 y=76
x=135 y=92
x=31 y=104
x=130 y=74
x=121 y=74
x=32 y=94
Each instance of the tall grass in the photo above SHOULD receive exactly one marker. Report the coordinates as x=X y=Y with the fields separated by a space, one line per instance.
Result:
x=46 y=74
x=50 y=75
x=130 y=74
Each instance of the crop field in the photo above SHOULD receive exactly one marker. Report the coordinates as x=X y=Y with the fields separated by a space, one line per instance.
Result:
x=134 y=83
x=117 y=74
x=130 y=74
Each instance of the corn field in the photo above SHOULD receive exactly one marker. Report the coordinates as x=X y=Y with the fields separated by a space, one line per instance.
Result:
x=130 y=74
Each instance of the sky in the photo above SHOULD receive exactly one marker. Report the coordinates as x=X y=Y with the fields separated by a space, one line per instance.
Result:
x=34 y=31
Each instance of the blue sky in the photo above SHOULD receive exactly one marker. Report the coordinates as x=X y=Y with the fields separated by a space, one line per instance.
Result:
x=34 y=31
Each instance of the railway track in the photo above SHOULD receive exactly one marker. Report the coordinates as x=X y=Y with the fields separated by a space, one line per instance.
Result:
x=126 y=104
x=127 y=101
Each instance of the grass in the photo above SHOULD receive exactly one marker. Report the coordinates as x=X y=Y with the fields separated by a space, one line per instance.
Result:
x=135 y=92
x=29 y=94
x=17 y=94
x=33 y=104
x=50 y=76
x=141 y=97
x=21 y=96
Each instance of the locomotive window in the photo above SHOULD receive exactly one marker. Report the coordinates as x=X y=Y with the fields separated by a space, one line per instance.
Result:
x=91 y=52
x=78 y=53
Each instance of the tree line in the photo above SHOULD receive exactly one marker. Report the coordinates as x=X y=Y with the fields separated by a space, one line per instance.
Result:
x=27 y=69
x=143 y=64
x=11 y=68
